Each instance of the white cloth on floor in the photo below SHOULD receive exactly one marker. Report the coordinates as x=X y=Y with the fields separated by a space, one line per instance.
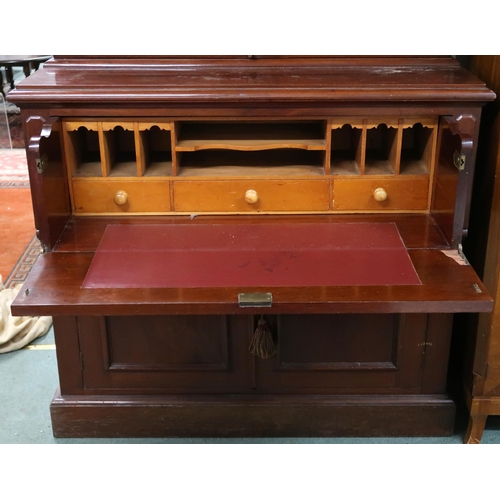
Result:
x=17 y=332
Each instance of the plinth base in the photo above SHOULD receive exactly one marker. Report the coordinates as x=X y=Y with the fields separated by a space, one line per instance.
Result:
x=251 y=416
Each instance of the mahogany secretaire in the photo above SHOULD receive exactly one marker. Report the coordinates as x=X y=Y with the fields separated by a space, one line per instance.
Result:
x=251 y=246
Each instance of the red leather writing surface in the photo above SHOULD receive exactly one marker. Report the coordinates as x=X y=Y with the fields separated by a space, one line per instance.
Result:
x=245 y=255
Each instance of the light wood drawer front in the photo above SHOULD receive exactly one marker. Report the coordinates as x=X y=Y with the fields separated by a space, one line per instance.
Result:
x=402 y=194
x=229 y=196
x=141 y=196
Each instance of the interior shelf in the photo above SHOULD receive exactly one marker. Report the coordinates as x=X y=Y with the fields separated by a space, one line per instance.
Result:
x=251 y=136
x=268 y=162
x=346 y=147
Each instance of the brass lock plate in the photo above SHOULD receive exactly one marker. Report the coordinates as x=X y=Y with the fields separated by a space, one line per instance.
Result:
x=255 y=299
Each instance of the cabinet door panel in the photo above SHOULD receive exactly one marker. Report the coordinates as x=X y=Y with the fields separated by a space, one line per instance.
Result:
x=341 y=353
x=165 y=354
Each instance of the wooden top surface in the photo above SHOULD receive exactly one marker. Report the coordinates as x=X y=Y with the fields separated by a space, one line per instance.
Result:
x=243 y=81
x=83 y=234
x=54 y=287
x=55 y=284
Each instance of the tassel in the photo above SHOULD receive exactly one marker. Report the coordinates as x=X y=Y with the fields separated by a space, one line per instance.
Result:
x=262 y=344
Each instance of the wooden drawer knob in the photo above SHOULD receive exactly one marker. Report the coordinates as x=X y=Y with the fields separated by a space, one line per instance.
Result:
x=251 y=196
x=121 y=198
x=380 y=194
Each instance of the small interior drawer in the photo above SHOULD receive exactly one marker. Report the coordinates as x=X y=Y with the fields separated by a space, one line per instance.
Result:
x=120 y=196
x=251 y=195
x=400 y=194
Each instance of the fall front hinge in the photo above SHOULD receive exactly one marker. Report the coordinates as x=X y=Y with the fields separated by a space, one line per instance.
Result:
x=41 y=164
x=459 y=160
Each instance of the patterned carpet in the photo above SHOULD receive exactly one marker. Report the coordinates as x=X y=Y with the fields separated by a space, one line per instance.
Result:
x=20 y=248
x=24 y=264
x=16 y=130
x=13 y=168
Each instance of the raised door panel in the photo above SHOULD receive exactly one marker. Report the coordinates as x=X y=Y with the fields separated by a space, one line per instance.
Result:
x=347 y=353
x=165 y=354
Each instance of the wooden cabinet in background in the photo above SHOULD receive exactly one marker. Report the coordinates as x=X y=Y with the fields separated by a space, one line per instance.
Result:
x=181 y=202
x=482 y=350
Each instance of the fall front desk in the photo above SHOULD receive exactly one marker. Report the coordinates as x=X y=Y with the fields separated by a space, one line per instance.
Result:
x=256 y=246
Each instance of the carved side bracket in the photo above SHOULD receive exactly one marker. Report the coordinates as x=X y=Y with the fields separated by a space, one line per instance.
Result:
x=38 y=128
x=465 y=128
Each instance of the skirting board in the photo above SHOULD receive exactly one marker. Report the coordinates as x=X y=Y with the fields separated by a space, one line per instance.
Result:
x=251 y=416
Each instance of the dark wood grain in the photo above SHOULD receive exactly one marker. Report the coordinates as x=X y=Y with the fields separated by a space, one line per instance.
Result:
x=49 y=189
x=54 y=287
x=351 y=360
x=69 y=360
x=205 y=354
x=252 y=416
x=83 y=234
x=296 y=80
x=480 y=353
x=345 y=354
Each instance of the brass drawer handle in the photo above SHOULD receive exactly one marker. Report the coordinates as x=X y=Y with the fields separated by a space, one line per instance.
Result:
x=121 y=198
x=380 y=194
x=251 y=196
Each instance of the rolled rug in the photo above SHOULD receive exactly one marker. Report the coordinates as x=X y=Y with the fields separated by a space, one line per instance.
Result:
x=18 y=331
